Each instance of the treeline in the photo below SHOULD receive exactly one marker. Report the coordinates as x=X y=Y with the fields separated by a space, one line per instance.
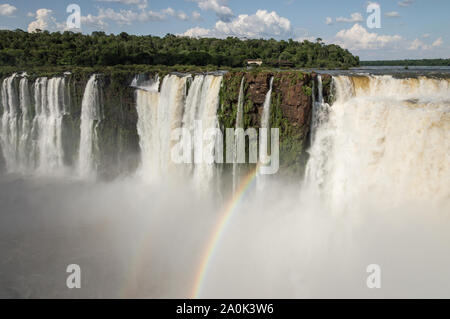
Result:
x=42 y=48
x=423 y=62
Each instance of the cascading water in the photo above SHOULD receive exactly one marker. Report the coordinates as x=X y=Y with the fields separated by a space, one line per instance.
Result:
x=25 y=147
x=49 y=126
x=91 y=115
x=159 y=113
x=313 y=170
x=265 y=123
x=239 y=124
x=206 y=114
x=384 y=135
x=10 y=118
x=162 y=112
x=31 y=138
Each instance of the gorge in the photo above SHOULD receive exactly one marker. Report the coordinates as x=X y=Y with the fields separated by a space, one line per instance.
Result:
x=364 y=178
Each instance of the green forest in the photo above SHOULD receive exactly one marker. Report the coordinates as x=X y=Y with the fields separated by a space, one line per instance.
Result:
x=42 y=48
x=423 y=62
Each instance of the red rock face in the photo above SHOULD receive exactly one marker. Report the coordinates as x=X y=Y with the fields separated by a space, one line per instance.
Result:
x=258 y=86
x=295 y=103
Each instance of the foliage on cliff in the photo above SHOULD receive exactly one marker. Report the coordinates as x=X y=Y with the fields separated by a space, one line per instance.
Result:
x=290 y=110
x=19 y=48
x=423 y=62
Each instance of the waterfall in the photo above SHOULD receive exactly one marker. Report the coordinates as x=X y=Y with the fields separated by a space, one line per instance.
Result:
x=319 y=117
x=206 y=114
x=162 y=112
x=49 y=125
x=265 y=123
x=31 y=138
x=159 y=113
x=239 y=124
x=386 y=138
x=90 y=118
x=25 y=148
x=10 y=119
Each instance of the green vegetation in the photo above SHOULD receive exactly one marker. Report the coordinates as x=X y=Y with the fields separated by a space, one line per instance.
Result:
x=424 y=62
x=22 y=49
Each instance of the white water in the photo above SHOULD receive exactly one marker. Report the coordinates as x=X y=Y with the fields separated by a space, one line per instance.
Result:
x=264 y=140
x=10 y=118
x=239 y=124
x=162 y=112
x=206 y=114
x=380 y=165
x=386 y=139
x=159 y=113
x=90 y=118
x=49 y=123
x=32 y=137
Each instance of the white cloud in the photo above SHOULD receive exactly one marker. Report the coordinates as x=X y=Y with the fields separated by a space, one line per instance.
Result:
x=128 y=17
x=261 y=24
x=418 y=45
x=426 y=35
x=438 y=42
x=30 y=14
x=223 y=12
x=328 y=20
x=405 y=3
x=182 y=16
x=358 y=38
x=354 y=17
x=141 y=4
x=7 y=9
x=44 y=20
x=171 y=12
x=392 y=14
x=196 y=16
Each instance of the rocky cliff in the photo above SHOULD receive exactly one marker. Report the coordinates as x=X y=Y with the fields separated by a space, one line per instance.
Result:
x=291 y=105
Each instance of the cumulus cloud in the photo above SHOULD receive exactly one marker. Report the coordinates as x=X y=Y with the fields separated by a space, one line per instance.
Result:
x=128 y=17
x=354 y=17
x=259 y=25
x=439 y=42
x=418 y=45
x=7 y=9
x=169 y=11
x=328 y=20
x=196 y=16
x=44 y=20
x=358 y=38
x=141 y=4
x=180 y=14
x=405 y=3
x=223 y=12
x=392 y=14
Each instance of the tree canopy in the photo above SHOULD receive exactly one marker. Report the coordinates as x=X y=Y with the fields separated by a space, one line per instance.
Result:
x=42 y=48
x=423 y=62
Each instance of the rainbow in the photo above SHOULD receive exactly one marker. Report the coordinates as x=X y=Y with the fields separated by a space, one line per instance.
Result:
x=219 y=230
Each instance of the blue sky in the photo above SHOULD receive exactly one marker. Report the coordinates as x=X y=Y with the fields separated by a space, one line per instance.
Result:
x=409 y=28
